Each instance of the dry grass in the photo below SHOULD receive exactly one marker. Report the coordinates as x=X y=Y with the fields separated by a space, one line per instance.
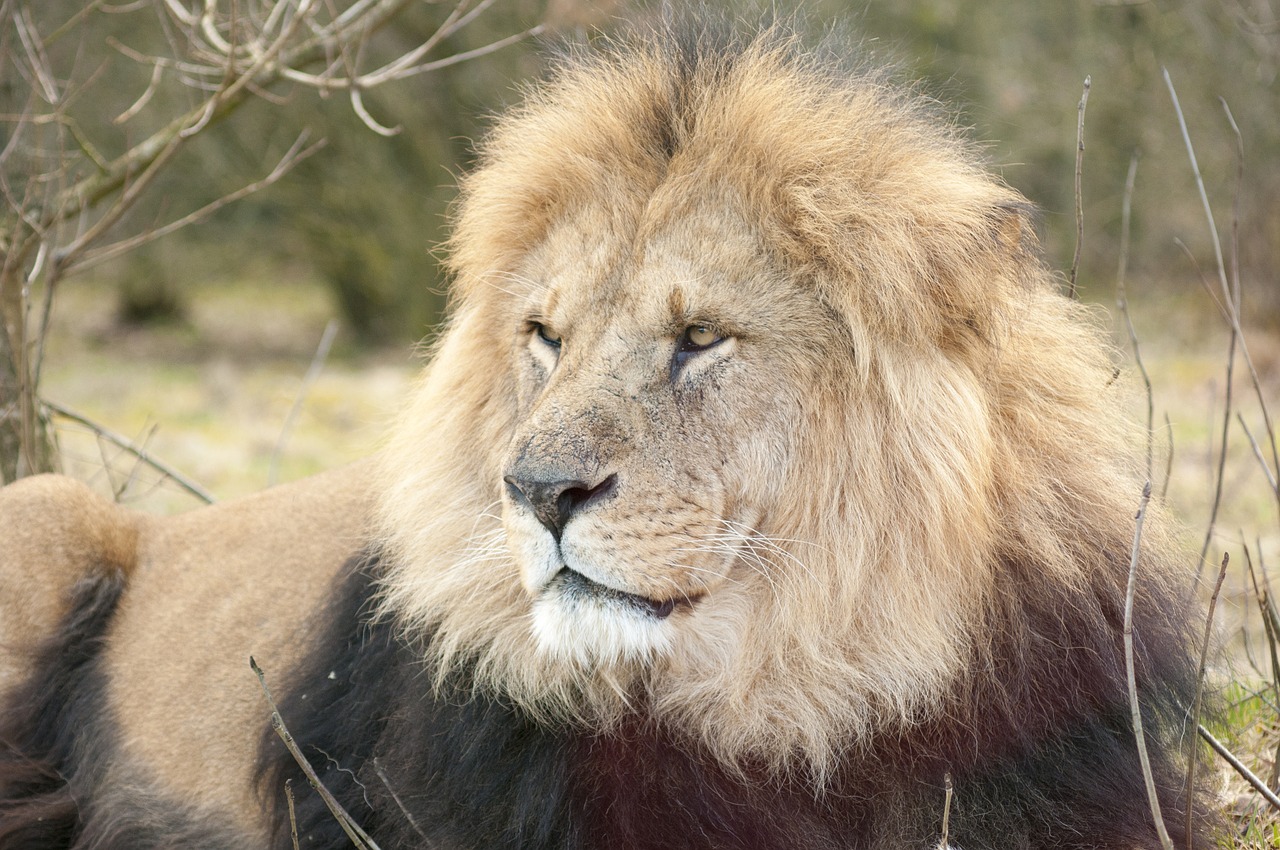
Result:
x=1184 y=344
x=211 y=395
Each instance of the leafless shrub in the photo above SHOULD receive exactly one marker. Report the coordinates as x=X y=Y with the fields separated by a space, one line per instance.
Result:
x=65 y=199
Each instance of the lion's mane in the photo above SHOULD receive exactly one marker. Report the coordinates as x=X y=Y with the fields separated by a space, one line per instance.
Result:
x=978 y=433
x=948 y=558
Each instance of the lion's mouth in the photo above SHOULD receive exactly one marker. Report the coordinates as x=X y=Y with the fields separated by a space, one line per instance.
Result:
x=573 y=583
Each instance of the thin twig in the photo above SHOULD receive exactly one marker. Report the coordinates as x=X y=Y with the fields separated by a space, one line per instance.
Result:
x=1135 y=708
x=1236 y=291
x=1232 y=317
x=1233 y=308
x=1249 y=775
x=1220 y=475
x=1168 y=461
x=386 y=783
x=1204 y=197
x=1075 y=262
x=291 y=158
x=945 y=841
x=132 y=477
x=353 y=830
x=1270 y=621
x=1122 y=302
x=1275 y=629
x=138 y=105
x=1257 y=453
x=1196 y=704
x=293 y=817
x=357 y=106
x=139 y=452
x=312 y=375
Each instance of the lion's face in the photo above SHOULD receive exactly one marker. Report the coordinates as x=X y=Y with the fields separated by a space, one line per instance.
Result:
x=633 y=496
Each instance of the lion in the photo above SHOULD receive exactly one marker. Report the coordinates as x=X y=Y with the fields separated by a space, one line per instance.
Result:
x=763 y=491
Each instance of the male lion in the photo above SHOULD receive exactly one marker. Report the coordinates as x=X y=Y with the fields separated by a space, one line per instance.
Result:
x=761 y=482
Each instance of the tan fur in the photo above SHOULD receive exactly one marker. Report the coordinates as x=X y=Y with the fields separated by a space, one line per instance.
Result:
x=53 y=532
x=205 y=590
x=902 y=400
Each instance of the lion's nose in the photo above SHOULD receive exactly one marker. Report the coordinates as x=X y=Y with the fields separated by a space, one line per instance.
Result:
x=555 y=502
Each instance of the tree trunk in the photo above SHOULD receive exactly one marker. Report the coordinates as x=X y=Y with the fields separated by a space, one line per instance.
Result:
x=26 y=443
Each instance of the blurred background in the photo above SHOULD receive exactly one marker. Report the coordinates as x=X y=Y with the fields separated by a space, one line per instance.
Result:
x=360 y=217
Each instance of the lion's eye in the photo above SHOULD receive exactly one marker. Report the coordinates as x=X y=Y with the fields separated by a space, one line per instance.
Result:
x=694 y=340
x=547 y=335
x=698 y=338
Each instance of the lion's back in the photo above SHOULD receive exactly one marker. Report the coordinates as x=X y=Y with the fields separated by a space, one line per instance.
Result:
x=123 y=622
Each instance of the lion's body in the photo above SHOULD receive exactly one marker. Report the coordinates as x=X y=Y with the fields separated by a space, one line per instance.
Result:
x=175 y=711
x=761 y=480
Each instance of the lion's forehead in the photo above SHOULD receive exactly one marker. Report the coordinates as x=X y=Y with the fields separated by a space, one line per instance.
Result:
x=655 y=271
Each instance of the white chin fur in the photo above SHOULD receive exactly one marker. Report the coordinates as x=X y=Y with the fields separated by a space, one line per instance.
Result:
x=597 y=632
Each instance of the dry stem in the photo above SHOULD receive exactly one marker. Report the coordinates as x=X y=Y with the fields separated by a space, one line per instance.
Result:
x=353 y=830
x=139 y=452
x=313 y=374
x=945 y=841
x=1239 y=767
x=1122 y=302
x=1135 y=708
x=293 y=815
x=1195 y=708
x=1229 y=298
x=1075 y=262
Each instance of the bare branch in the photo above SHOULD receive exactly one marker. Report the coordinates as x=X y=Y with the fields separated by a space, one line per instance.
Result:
x=1195 y=707
x=453 y=23
x=293 y=817
x=141 y=102
x=944 y=843
x=1233 y=311
x=1168 y=459
x=1248 y=775
x=386 y=783
x=1075 y=262
x=37 y=61
x=466 y=55
x=1122 y=302
x=122 y=205
x=1235 y=274
x=1257 y=453
x=1135 y=707
x=128 y=445
x=313 y=374
x=357 y=104
x=353 y=830
x=292 y=157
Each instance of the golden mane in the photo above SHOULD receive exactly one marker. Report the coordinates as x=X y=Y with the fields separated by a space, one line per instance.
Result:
x=970 y=449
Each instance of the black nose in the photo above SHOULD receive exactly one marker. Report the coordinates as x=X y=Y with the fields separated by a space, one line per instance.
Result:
x=555 y=502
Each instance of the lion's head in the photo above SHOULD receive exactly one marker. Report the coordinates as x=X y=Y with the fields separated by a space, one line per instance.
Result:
x=753 y=382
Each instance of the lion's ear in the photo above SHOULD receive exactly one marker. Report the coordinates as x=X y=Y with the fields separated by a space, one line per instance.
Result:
x=1013 y=232
x=973 y=290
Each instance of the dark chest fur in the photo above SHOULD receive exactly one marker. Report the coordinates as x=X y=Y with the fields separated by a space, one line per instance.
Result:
x=457 y=770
